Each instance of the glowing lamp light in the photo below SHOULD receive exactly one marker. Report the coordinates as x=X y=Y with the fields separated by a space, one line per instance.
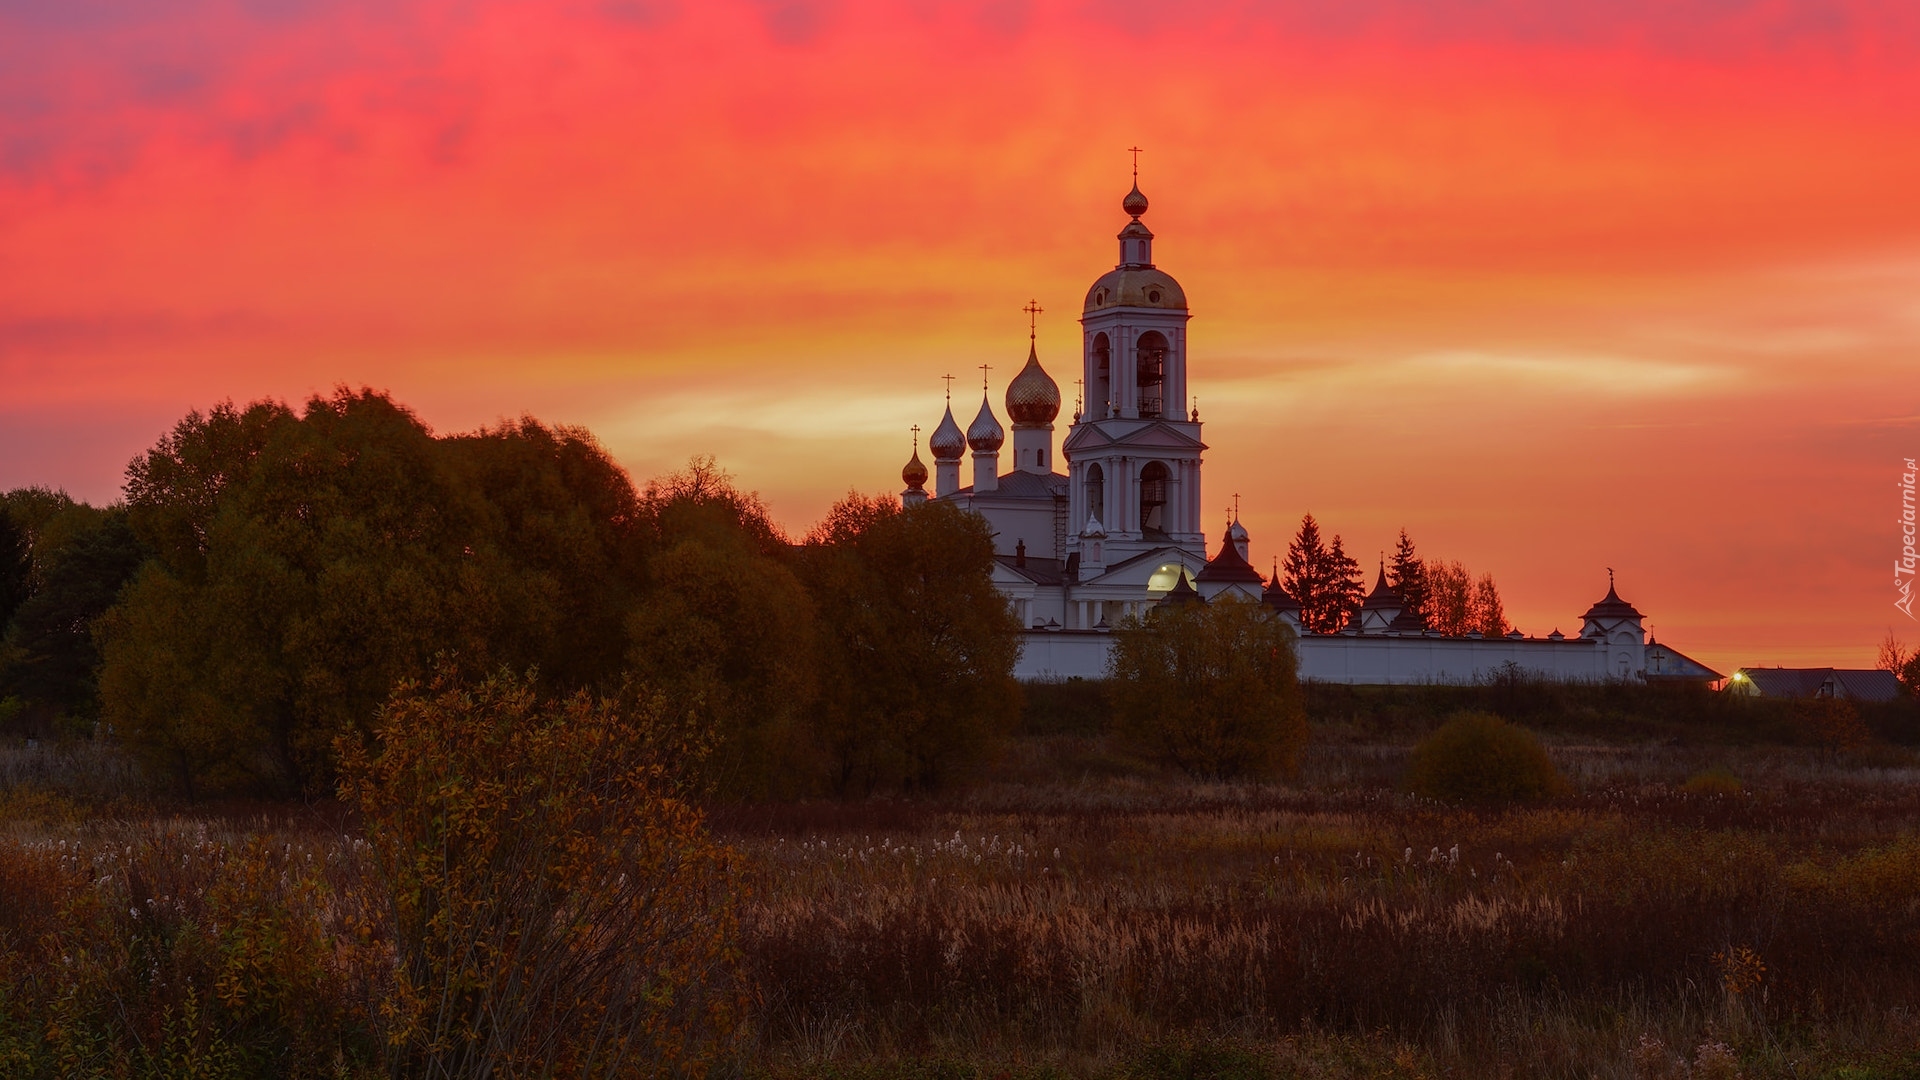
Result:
x=1165 y=578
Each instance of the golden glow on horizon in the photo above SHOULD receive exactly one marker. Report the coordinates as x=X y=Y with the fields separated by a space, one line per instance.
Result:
x=1620 y=286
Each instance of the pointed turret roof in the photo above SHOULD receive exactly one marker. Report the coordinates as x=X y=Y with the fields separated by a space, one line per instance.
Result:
x=1277 y=597
x=1383 y=594
x=1612 y=607
x=1228 y=567
x=1182 y=592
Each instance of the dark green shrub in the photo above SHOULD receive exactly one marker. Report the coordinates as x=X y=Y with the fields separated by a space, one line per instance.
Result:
x=1479 y=758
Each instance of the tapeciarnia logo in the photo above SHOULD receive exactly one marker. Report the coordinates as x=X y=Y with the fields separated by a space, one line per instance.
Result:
x=1904 y=565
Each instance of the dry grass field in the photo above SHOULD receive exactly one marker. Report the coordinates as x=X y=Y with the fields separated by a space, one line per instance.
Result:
x=1682 y=912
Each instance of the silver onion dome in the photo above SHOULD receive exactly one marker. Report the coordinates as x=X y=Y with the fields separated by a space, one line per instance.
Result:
x=985 y=433
x=947 y=443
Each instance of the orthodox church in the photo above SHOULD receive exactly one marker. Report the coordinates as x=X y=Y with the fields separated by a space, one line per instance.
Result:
x=1119 y=530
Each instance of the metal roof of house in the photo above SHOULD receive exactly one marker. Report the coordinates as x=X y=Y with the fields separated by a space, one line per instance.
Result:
x=1860 y=684
x=1020 y=484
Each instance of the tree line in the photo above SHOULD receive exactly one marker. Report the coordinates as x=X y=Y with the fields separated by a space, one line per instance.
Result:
x=272 y=574
x=1330 y=587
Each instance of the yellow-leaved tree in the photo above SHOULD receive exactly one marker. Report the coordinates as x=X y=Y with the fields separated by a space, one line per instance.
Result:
x=556 y=907
x=1210 y=689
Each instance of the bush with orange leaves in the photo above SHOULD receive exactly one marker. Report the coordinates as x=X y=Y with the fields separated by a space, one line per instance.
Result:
x=557 y=908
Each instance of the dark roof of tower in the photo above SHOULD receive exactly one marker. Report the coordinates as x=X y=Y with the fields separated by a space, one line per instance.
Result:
x=1407 y=621
x=1182 y=592
x=1383 y=595
x=1612 y=607
x=1229 y=568
x=1277 y=597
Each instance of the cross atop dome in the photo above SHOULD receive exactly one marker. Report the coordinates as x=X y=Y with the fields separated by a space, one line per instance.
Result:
x=1135 y=203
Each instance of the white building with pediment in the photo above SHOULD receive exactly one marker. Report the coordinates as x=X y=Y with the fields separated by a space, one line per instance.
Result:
x=1120 y=529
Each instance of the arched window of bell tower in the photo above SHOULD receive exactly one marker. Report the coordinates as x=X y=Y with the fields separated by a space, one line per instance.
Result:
x=1096 y=493
x=1101 y=391
x=1152 y=372
x=1153 y=496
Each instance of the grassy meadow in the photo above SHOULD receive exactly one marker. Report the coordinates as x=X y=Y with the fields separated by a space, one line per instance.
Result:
x=1705 y=899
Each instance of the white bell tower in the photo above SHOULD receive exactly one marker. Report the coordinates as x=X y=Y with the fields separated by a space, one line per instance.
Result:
x=1133 y=451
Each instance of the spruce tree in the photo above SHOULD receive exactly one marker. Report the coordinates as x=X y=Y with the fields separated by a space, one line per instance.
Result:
x=1344 y=588
x=1409 y=575
x=1305 y=568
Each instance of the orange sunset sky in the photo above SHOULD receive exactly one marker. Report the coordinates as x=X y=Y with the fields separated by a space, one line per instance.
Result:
x=1555 y=284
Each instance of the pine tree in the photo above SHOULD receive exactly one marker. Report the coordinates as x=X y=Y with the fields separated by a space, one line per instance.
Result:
x=1344 y=587
x=1305 y=572
x=1408 y=574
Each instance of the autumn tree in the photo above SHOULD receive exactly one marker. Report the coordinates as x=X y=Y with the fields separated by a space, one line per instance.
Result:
x=562 y=526
x=1489 y=616
x=1903 y=662
x=64 y=571
x=16 y=565
x=727 y=632
x=917 y=645
x=1449 y=599
x=1209 y=689
x=307 y=563
x=555 y=904
x=1458 y=604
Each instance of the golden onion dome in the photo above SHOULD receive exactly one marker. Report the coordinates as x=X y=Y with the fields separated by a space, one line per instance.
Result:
x=1136 y=286
x=947 y=443
x=1135 y=203
x=1033 y=397
x=985 y=433
x=915 y=473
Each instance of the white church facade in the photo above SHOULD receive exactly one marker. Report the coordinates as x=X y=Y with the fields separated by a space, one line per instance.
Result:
x=1117 y=529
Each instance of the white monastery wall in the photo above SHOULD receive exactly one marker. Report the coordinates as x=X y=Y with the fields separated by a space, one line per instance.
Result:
x=1350 y=658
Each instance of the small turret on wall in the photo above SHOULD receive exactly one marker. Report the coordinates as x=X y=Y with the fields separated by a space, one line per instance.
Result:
x=1617 y=626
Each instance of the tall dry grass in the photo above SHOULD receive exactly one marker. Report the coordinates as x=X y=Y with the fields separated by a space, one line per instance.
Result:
x=1080 y=922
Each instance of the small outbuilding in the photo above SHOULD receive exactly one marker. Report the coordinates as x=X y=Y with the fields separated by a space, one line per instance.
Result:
x=1855 y=684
